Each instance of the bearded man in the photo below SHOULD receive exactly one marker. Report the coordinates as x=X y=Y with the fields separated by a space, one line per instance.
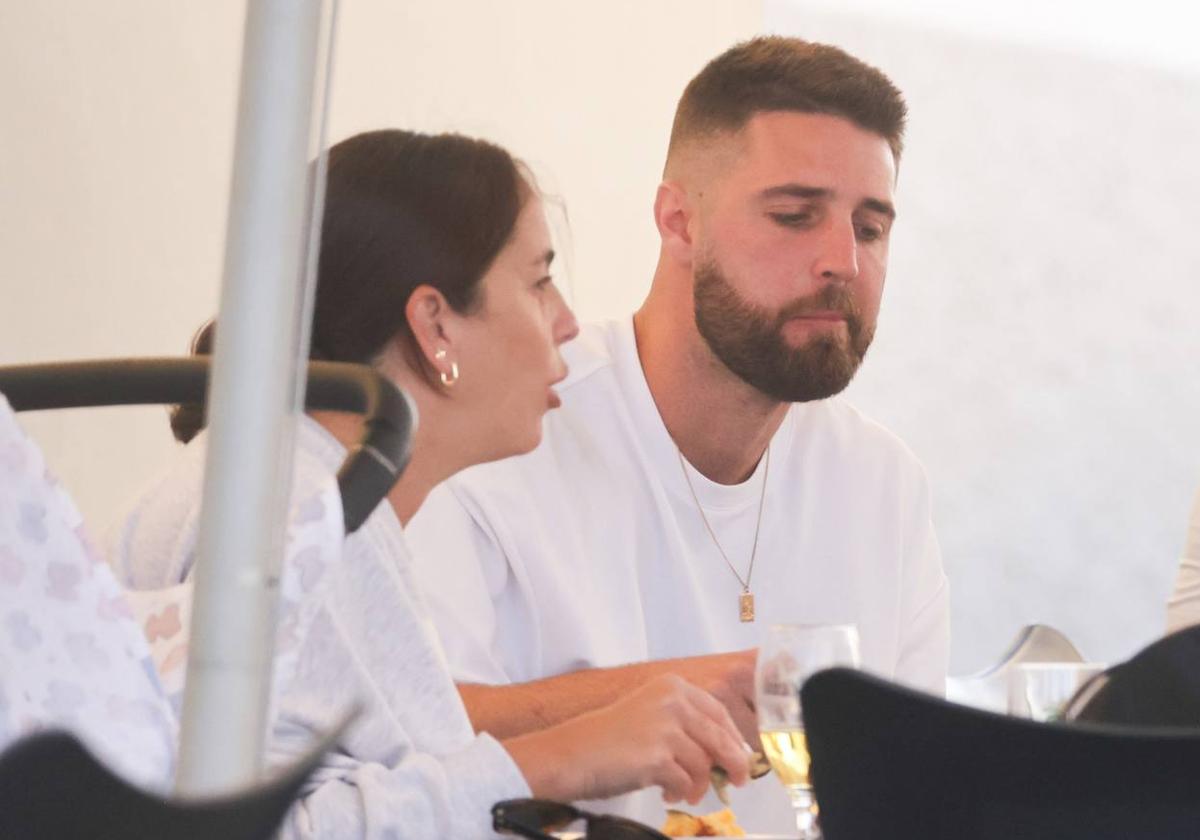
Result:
x=702 y=480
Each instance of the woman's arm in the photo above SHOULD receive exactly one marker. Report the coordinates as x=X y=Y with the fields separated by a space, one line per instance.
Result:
x=420 y=795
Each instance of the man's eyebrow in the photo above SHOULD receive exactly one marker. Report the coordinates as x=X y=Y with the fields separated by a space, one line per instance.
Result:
x=875 y=205
x=882 y=207
x=794 y=191
x=805 y=191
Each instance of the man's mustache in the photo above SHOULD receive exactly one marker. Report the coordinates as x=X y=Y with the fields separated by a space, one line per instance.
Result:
x=832 y=298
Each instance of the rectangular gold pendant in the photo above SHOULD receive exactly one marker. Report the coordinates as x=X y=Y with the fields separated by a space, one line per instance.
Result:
x=746 y=606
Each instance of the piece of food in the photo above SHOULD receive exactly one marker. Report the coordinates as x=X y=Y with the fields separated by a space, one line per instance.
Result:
x=680 y=824
x=759 y=766
x=717 y=824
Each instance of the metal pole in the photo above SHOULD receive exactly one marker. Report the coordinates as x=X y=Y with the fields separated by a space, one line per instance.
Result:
x=252 y=399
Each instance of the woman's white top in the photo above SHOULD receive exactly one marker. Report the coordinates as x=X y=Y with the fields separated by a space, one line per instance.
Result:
x=412 y=766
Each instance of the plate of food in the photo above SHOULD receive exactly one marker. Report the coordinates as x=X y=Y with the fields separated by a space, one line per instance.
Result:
x=719 y=825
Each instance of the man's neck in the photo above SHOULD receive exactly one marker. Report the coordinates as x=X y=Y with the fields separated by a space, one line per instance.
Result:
x=721 y=424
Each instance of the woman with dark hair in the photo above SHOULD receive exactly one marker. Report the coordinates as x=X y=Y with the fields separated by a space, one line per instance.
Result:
x=435 y=269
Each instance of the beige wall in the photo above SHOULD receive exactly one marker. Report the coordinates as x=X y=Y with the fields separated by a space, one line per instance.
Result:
x=116 y=150
x=115 y=166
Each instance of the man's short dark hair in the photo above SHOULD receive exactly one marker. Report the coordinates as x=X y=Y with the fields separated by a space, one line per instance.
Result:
x=776 y=73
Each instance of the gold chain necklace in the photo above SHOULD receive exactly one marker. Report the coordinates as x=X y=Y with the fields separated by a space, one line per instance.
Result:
x=746 y=599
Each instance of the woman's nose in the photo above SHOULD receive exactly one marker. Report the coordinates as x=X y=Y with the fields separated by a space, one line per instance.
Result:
x=565 y=325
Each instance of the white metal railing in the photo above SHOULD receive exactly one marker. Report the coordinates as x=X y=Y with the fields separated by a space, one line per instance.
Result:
x=254 y=394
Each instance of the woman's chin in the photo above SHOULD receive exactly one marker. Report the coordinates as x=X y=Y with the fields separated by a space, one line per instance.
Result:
x=516 y=445
x=532 y=441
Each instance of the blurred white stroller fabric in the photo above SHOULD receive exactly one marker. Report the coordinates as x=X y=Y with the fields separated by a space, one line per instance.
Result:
x=72 y=656
x=78 y=652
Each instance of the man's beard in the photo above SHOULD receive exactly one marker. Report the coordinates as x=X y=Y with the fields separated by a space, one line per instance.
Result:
x=749 y=339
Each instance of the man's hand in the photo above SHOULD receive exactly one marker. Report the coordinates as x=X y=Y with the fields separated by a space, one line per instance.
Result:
x=729 y=677
x=668 y=733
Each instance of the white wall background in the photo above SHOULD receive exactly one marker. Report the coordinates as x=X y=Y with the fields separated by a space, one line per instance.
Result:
x=115 y=156
x=116 y=150
x=1039 y=346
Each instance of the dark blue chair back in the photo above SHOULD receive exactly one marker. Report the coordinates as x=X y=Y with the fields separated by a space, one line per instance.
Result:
x=52 y=787
x=888 y=762
x=1160 y=686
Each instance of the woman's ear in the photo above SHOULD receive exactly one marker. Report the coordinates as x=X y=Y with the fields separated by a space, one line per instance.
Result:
x=434 y=325
x=672 y=217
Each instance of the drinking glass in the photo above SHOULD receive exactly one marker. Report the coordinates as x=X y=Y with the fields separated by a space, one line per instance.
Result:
x=1040 y=690
x=789 y=655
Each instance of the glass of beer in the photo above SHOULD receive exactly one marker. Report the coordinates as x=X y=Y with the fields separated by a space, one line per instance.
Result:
x=789 y=655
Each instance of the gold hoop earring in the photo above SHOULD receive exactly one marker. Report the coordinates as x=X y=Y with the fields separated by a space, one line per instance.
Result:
x=448 y=379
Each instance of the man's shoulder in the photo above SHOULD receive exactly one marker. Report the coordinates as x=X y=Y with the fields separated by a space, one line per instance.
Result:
x=843 y=427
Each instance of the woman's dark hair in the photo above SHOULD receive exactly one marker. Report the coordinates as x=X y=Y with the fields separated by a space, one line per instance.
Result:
x=402 y=209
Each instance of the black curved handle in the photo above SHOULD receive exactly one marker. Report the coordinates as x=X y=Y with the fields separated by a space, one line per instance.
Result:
x=366 y=476
x=44 y=770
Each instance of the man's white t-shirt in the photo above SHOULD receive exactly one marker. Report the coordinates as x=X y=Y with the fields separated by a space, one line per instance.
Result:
x=590 y=551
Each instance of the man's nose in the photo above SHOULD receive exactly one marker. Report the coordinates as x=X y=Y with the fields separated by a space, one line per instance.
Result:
x=837 y=254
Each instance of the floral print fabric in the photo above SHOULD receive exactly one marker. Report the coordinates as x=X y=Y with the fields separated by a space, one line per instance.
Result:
x=71 y=654
x=313 y=547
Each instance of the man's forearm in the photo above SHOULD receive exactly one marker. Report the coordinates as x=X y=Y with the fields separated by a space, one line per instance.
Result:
x=507 y=711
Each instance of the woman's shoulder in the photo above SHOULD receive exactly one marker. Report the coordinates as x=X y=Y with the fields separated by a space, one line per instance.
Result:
x=151 y=543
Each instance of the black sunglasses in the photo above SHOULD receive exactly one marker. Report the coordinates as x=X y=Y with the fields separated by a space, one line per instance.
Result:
x=534 y=817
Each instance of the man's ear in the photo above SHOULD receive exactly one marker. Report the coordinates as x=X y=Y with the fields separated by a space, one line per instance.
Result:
x=434 y=325
x=673 y=218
